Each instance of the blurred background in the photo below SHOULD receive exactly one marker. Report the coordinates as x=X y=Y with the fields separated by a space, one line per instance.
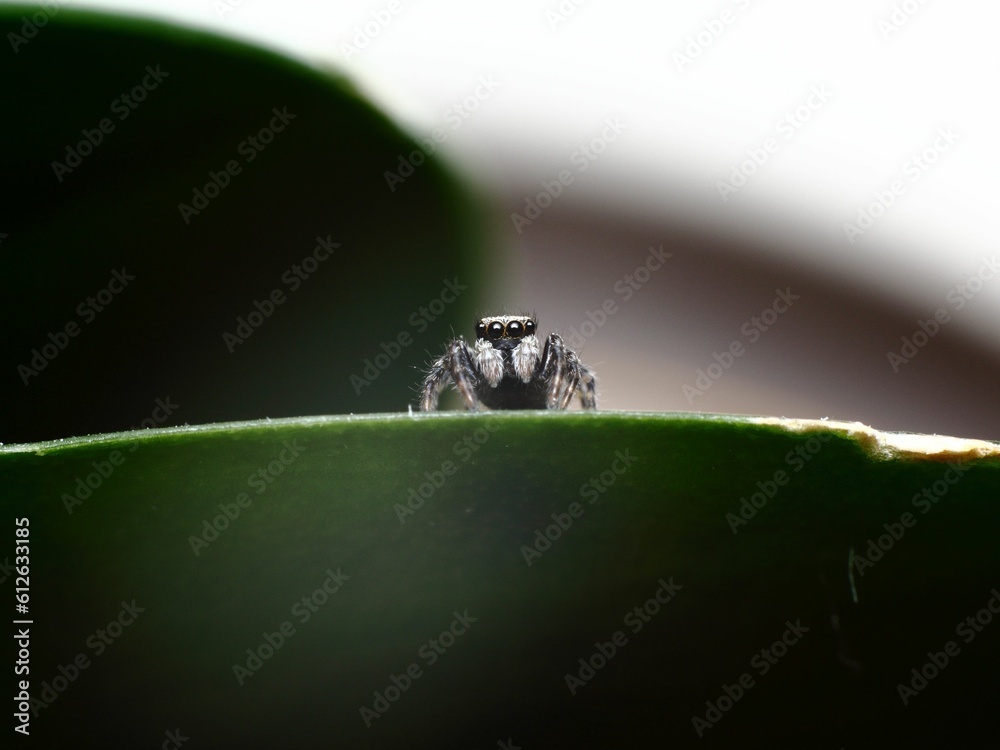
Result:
x=768 y=207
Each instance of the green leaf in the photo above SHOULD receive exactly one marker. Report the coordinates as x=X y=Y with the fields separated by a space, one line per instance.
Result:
x=632 y=505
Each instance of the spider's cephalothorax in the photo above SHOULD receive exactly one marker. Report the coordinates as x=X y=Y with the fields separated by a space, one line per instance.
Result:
x=508 y=369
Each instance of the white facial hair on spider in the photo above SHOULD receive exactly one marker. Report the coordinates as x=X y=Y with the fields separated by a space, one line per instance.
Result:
x=507 y=368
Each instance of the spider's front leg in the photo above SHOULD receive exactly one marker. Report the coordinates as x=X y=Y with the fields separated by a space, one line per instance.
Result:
x=553 y=370
x=454 y=365
x=584 y=383
x=566 y=376
x=588 y=387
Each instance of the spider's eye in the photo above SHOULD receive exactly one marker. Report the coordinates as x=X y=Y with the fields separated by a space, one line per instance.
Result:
x=515 y=329
x=480 y=330
x=529 y=327
x=496 y=329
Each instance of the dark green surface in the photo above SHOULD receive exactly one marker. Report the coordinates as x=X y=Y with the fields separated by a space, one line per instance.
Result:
x=665 y=517
x=322 y=176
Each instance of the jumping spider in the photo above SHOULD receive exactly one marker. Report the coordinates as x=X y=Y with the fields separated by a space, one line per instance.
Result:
x=507 y=369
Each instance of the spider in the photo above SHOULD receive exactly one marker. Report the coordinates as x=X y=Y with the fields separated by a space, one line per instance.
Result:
x=508 y=369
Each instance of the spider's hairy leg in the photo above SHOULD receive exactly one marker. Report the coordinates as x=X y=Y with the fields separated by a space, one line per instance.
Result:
x=588 y=389
x=566 y=376
x=435 y=381
x=580 y=381
x=454 y=365
x=572 y=379
x=553 y=365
